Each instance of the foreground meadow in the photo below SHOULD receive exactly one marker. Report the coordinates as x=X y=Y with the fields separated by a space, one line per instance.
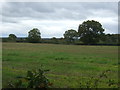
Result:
x=69 y=65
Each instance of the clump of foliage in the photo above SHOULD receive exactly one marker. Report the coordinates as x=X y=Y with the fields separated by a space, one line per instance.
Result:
x=12 y=37
x=34 y=79
x=54 y=40
x=90 y=32
x=94 y=82
x=34 y=35
x=70 y=36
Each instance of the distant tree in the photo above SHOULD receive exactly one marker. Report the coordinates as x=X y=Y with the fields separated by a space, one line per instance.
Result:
x=12 y=37
x=54 y=40
x=61 y=40
x=34 y=35
x=90 y=32
x=70 y=36
x=111 y=38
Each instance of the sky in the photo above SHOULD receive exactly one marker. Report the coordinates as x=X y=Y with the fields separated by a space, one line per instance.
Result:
x=54 y=18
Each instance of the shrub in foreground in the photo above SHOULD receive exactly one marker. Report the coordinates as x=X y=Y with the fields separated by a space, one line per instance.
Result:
x=37 y=79
x=34 y=79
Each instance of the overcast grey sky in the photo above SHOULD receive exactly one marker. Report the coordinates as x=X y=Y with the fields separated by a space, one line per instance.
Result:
x=54 y=18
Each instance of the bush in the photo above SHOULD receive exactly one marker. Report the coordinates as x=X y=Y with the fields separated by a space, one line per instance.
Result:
x=34 y=79
x=37 y=79
x=94 y=82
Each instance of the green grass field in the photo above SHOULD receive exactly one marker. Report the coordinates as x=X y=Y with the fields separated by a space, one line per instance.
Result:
x=69 y=64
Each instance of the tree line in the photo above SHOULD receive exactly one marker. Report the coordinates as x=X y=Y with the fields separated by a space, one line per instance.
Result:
x=89 y=32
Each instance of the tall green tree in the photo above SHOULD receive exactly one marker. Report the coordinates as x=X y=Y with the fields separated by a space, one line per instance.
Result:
x=12 y=37
x=34 y=35
x=90 y=32
x=70 y=36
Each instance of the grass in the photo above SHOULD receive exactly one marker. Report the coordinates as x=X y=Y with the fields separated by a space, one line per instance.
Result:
x=68 y=64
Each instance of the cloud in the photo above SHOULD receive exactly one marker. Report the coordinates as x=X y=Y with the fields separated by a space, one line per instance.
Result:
x=47 y=10
x=54 y=18
x=48 y=28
